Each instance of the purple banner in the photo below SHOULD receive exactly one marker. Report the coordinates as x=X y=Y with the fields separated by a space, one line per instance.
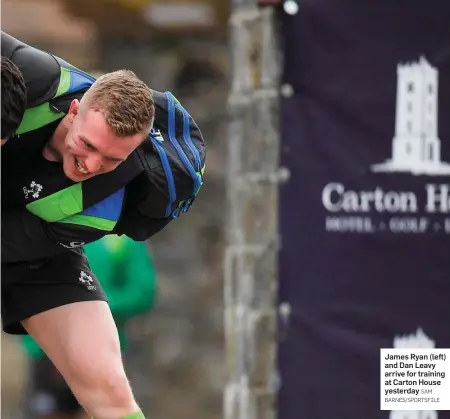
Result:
x=365 y=215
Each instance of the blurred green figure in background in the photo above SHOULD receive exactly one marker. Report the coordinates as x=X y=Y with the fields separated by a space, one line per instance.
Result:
x=126 y=272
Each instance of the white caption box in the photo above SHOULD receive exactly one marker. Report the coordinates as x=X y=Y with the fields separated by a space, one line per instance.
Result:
x=415 y=379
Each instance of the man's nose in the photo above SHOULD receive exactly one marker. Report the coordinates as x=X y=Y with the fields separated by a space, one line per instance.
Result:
x=93 y=162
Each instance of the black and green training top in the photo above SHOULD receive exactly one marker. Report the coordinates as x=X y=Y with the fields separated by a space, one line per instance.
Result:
x=43 y=212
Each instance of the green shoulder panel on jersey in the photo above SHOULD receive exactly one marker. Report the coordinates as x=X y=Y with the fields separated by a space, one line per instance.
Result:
x=90 y=221
x=66 y=206
x=64 y=82
x=59 y=205
x=43 y=114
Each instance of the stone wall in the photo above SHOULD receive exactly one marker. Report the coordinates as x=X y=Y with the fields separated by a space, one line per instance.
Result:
x=252 y=238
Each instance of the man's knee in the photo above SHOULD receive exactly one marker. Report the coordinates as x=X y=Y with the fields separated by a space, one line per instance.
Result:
x=103 y=390
x=99 y=379
x=115 y=387
x=109 y=390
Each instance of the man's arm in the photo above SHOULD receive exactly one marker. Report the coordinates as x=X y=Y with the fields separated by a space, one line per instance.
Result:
x=26 y=237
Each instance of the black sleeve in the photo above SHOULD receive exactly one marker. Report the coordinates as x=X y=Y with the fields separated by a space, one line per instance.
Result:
x=26 y=237
x=39 y=69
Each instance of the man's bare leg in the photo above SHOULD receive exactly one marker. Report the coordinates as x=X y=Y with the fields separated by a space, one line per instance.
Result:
x=81 y=340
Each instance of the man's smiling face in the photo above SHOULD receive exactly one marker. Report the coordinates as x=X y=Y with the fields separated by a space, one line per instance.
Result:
x=90 y=147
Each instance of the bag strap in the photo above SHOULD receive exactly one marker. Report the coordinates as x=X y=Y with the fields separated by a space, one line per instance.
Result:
x=196 y=172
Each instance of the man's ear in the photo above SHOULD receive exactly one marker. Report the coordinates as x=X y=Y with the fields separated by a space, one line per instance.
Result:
x=73 y=109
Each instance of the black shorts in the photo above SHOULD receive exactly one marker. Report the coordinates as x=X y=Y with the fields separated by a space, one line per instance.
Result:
x=47 y=392
x=34 y=287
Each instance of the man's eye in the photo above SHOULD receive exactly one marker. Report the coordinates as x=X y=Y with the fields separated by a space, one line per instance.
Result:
x=87 y=145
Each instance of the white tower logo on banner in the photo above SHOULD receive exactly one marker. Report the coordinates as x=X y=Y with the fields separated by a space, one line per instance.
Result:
x=414 y=341
x=416 y=147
